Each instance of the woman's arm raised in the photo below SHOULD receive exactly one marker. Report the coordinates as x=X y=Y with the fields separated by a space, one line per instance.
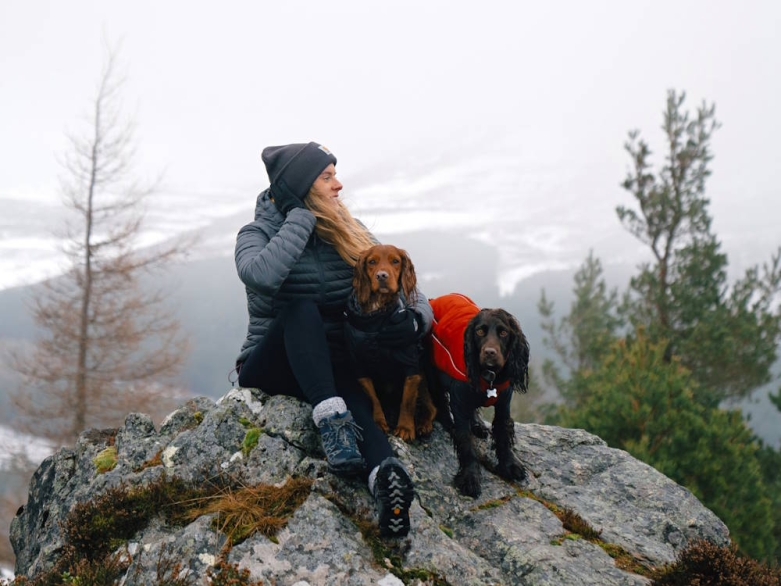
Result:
x=263 y=264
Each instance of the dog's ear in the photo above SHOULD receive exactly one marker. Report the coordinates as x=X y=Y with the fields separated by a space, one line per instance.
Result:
x=362 y=284
x=472 y=351
x=409 y=281
x=518 y=354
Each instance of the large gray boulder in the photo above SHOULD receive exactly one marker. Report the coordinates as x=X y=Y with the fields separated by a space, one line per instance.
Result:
x=510 y=535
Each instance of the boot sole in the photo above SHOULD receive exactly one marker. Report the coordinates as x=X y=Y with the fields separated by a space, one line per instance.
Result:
x=394 y=497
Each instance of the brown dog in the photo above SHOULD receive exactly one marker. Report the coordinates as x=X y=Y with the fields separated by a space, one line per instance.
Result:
x=384 y=282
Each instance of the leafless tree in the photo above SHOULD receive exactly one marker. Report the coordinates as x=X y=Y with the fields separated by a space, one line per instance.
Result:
x=108 y=345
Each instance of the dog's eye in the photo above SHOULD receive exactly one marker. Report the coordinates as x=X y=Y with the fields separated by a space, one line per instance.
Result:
x=371 y=261
x=503 y=333
x=396 y=261
x=480 y=332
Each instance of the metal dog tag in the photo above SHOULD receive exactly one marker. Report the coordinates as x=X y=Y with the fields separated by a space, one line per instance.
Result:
x=491 y=393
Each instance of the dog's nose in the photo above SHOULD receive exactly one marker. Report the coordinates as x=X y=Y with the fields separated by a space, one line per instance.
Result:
x=489 y=352
x=382 y=275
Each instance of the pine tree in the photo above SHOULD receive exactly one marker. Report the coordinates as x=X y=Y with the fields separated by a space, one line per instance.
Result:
x=640 y=401
x=727 y=336
x=770 y=463
x=582 y=337
x=653 y=385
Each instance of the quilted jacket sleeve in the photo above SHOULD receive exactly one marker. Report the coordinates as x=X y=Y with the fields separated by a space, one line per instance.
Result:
x=423 y=307
x=263 y=263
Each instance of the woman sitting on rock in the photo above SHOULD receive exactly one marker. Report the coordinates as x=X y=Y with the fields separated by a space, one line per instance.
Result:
x=296 y=260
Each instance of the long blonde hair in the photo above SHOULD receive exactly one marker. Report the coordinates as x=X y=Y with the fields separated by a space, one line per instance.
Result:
x=336 y=225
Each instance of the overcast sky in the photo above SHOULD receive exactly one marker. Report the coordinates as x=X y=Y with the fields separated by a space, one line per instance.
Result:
x=542 y=93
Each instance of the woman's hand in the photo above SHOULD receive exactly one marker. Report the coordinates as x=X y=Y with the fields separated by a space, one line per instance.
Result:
x=284 y=198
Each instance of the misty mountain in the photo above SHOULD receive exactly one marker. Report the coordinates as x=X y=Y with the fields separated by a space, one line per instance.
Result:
x=209 y=300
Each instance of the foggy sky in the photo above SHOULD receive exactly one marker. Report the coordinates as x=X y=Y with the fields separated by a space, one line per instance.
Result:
x=547 y=91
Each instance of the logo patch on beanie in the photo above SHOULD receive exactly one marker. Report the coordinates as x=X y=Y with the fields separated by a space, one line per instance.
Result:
x=324 y=149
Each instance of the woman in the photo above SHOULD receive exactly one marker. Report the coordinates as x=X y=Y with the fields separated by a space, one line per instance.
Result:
x=296 y=260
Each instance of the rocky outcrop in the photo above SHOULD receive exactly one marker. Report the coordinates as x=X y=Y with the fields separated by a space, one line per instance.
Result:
x=510 y=535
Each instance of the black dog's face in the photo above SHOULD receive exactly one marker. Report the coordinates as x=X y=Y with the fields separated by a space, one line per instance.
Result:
x=494 y=342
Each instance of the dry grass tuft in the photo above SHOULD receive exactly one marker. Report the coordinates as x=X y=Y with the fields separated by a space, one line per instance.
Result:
x=577 y=524
x=155 y=460
x=247 y=510
x=96 y=530
x=703 y=562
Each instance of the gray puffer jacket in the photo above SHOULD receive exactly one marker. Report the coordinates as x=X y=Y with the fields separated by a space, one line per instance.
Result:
x=281 y=259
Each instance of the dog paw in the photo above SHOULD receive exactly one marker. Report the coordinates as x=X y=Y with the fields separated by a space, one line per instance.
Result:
x=467 y=481
x=512 y=470
x=479 y=429
x=424 y=430
x=405 y=433
x=382 y=424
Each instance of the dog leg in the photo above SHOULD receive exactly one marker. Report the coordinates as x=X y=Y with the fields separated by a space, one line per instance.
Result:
x=462 y=407
x=405 y=429
x=377 y=413
x=428 y=411
x=479 y=428
x=438 y=389
x=467 y=480
x=504 y=440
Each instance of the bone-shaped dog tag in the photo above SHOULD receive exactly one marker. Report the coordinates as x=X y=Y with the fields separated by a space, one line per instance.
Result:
x=491 y=393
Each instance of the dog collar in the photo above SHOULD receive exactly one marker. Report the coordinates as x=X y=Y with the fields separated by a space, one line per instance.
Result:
x=491 y=390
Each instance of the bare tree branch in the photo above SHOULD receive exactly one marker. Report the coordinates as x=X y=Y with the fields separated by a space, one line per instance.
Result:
x=106 y=344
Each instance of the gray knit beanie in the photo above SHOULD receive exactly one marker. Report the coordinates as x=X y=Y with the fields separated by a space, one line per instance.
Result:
x=295 y=167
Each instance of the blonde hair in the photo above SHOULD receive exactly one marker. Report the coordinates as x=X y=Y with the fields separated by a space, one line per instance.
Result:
x=336 y=225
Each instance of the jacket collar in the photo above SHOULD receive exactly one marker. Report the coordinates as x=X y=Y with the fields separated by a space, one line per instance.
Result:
x=266 y=210
x=357 y=318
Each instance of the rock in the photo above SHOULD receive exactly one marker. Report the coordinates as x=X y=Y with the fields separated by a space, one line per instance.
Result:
x=510 y=535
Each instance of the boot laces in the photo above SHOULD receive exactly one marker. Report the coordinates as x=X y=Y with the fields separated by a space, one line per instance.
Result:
x=341 y=436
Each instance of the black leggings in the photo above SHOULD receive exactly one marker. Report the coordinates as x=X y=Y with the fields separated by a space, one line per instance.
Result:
x=294 y=359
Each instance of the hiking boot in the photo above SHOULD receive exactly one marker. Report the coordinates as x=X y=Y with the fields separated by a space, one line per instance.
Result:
x=393 y=492
x=339 y=434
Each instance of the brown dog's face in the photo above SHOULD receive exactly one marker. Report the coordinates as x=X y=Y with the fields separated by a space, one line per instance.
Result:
x=383 y=267
x=494 y=342
x=380 y=273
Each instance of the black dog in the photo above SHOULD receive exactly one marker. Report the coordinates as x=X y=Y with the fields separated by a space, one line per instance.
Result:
x=480 y=357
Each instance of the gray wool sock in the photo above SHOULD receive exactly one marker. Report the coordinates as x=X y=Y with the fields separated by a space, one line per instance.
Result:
x=328 y=408
x=373 y=479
